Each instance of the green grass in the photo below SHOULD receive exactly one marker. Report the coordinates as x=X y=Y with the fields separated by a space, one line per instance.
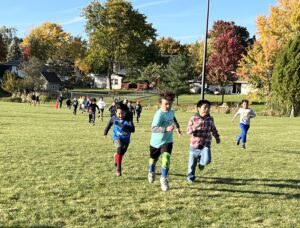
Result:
x=57 y=171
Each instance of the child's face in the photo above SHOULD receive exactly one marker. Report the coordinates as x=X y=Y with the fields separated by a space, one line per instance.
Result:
x=166 y=105
x=120 y=114
x=203 y=110
x=245 y=104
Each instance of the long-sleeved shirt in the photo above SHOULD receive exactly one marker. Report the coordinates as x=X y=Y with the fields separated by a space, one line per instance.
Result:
x=201 y=128
x=122 y=128
x=245 y=115
x=93 y=107
x=161 y=121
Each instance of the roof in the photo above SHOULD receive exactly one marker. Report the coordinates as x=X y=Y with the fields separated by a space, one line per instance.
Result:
x=51 y=77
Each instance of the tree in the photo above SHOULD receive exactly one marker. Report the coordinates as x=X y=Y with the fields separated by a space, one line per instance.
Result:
x=227 y=50
x=273 y=32
x=43 y=41
x=118 y=34
x=2 y=49
x=33 y=80
x=14 y=51
x=168 y=46
x=286 y=78
x=10 y=83
x=176 y=77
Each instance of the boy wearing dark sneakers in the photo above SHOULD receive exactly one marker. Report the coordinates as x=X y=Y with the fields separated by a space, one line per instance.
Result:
x=123 y=127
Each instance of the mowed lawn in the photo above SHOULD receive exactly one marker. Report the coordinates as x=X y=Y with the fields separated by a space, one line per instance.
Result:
x=56 y=170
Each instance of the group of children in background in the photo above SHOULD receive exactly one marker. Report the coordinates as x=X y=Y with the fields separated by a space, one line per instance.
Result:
x=201 y=128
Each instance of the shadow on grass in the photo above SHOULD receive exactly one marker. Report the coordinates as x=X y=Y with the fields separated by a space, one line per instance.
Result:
x=274 y=183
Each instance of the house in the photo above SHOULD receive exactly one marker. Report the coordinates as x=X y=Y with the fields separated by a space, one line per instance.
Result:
x=242 y=87
x=12 y=66
x=52 y=81
x=101 y=81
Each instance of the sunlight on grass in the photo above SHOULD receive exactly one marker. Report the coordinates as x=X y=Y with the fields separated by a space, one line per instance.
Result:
x=57 y=170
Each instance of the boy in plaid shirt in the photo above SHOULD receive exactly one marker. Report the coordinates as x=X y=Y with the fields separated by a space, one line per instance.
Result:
x=201 y=126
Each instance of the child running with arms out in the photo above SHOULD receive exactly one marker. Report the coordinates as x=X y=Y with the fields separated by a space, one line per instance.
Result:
x=123 y=127
x=161 y=143
x=201 y=126
x=246 y=114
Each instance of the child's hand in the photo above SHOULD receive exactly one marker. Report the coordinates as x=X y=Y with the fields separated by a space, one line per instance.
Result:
x=218 y=140
x=170 y=128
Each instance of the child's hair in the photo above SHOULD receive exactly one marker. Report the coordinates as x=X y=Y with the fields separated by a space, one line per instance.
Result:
x=167 y=95
x=93 y=99
x=202 y=102
x=122 y=106
x=245 y=101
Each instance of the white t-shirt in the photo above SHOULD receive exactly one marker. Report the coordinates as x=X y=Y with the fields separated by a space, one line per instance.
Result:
x=245 y=115
x=101 y=104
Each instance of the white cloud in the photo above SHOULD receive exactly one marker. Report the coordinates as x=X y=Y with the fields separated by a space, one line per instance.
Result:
x=72 y=21
x=153 y=3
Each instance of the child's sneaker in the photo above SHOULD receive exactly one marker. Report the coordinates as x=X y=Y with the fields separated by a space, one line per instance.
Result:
x=237 y=140
x=164 y=183
x=201 y=167
x=243 y=146
x=118 y=173
x=191 y=181
x=151 y=177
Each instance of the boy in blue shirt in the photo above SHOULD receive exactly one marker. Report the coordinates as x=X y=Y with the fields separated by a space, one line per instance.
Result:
x=123 y=127
x=161 y=143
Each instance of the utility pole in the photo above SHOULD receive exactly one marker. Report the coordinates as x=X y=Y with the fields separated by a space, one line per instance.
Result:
x=204 y=54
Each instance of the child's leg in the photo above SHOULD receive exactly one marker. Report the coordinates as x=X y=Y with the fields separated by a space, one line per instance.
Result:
x=154 y=155
x=193 y=157
x=205 y=154
x=166 y=151
x=243 y=135
x=121 y=150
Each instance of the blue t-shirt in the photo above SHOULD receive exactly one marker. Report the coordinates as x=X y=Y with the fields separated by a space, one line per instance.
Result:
x=162 y=119
x=119 y=132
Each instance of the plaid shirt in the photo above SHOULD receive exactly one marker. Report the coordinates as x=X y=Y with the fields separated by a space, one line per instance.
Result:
x=200 y=129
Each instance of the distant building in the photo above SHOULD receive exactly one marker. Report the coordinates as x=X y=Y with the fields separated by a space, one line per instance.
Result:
x=52 y=81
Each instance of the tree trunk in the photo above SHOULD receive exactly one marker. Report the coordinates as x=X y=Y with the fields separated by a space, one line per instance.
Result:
x=292 y=111
x=177 y=99
x=109 y=73
x=222 y=93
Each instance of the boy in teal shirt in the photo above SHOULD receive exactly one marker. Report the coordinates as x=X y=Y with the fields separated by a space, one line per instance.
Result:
x=161 y=142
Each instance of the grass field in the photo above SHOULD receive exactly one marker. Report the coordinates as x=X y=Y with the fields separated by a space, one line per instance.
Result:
x=56 y=170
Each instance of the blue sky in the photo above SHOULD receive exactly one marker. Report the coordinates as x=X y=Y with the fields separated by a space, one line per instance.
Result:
x=184 y=20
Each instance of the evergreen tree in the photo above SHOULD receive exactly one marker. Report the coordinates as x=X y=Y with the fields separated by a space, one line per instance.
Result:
x=176 y=76
x=286 y=78
x=14 y=51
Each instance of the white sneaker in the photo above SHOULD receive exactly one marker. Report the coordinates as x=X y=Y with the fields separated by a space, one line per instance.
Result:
x=164 y=183
x=151 y=177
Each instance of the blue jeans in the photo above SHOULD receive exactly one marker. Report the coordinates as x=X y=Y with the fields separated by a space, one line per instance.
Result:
x=201 y=156
x=243 y=135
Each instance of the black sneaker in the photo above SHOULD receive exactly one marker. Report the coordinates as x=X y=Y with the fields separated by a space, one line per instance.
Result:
x=237 y=140
x=201 y=167
x=243 y=146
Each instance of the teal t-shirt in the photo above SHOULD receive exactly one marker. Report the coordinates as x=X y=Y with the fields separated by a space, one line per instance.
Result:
x=162 y=119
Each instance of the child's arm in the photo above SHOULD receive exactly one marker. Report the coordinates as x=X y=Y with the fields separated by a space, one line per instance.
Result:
x=235 y=115
x=252 y=114
x=177 y=126
x=129 y=127
x=109 y=124
x=215 y=132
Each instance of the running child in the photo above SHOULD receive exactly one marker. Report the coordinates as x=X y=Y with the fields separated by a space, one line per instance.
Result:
x=246 y=114
x=201 y=125
x=75 y=105
x=138 y=110
x=161 y=142
x=123 y=127
x=92 y=110
x=101 y=104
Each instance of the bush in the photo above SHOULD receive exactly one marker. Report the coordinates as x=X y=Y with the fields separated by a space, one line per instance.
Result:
x=12 y=99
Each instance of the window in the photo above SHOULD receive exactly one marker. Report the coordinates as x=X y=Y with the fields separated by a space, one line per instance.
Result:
x=115 y=82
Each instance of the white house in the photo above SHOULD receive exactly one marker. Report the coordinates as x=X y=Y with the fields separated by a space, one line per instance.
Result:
x=101 y=81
